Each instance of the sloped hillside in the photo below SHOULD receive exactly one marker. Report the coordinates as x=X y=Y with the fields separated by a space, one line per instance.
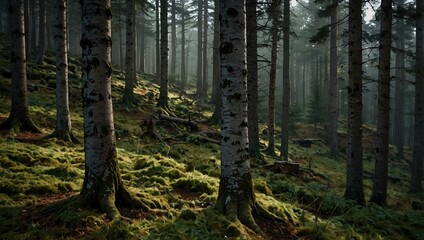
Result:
x=174 y=168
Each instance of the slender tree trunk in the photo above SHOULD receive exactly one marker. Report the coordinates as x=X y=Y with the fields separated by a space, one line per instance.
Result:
x=183 y=50
x=158 y=44
x=163 y=94
x=42 y=33
x=235 y=197
x=252 y=77
x=354 y=162
x=130 y=73
x=63 y=116
x=216 y=93
x=286 y=83
x=205 y=84
x=27 y=22
x=172 y=74
x=103 y=186
x=418 y=152
x=142 y=42
x=379 y=192
x=304 y=84
x=33 y=24
x=399 y=114
x=121 y=44
x=199 y=82
x=272 y=77
x=19 y=119
x=333 y=116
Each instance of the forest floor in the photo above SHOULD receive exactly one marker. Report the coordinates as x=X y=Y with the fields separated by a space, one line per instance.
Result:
x=177 y=172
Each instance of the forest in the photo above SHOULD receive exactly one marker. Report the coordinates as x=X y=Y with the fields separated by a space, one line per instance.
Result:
x=201 y=119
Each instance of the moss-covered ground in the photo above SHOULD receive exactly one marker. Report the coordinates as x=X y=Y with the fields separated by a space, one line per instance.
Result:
x=177 y=173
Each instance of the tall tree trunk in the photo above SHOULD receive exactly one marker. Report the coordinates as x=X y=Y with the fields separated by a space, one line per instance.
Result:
x=142 y=47
x=103 y=186
x=333 y=110
x=130 y=73
x=252 y=77
x=158 y=44
x=27 y=23
x=163 y=94
x=183 y=50
x=275 y=6
x=63 y=116
x=42 y=33
x=399 y=113
x=418 y=152
x=33 y=25
x=172 y=74
x=121 y=44
x=205 y=84
x=354 y=161
x=304 y=84
x=379 y=191
x=216 y=93
x=19 y=119
x=235 y=196
x=199 y=82
x=286 y=83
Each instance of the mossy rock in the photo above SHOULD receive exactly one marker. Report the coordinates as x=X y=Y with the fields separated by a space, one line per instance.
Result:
x=193 y=185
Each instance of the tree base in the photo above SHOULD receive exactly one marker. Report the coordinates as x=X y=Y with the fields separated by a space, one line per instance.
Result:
x=66 y=136
x=17 y=125
x=107 y=201
x=129 y=101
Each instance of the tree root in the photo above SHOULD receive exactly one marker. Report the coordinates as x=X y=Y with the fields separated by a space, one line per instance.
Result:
x=108 y=200
x=66 y=136
x=17 y=125
x=129 y=101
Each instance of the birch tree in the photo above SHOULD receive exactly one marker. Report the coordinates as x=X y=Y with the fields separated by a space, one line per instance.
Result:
x=235 y=197
x=103 y=186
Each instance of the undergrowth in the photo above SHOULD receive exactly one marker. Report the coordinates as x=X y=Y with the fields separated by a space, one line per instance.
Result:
x=177 y=173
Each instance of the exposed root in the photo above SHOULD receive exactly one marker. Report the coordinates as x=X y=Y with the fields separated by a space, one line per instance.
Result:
x=108 y=200
x=261 y=211
x=130 y=200
x=66 y=136
x=129 y=101
x=18 y=125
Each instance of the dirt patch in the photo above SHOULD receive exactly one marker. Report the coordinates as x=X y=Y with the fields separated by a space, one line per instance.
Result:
x=275 y=229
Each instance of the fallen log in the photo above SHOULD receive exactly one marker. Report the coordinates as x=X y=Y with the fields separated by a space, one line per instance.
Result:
x=285 y=166
x=306 y=142
x=188 y=122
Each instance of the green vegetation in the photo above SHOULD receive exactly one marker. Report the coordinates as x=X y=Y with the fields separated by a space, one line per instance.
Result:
x=177 y=174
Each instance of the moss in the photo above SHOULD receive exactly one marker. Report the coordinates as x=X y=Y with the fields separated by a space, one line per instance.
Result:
x=193 y=185
x=5 y=162
x=188 y=215
x=65 y=172
x=262 y=187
